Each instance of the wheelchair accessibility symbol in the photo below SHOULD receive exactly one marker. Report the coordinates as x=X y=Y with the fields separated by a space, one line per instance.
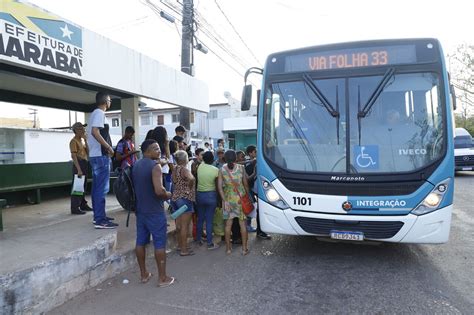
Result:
x=366 y=157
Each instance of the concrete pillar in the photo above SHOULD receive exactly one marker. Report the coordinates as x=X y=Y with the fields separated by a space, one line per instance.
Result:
x=130 y=116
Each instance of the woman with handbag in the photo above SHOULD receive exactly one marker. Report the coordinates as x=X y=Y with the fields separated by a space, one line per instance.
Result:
x=234 y=191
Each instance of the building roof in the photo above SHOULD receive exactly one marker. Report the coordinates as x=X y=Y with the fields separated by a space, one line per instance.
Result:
x=48 y=61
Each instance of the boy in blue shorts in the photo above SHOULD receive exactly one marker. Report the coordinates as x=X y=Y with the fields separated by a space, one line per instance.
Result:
x=151 y=218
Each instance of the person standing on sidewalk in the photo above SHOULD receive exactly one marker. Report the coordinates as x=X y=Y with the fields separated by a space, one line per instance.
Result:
x=151 y=219
x=184 y=193
x=79 y=153
x=251 y=170
x=125 y=151
x=100 y=151
x=232 y=185
x=207 y=175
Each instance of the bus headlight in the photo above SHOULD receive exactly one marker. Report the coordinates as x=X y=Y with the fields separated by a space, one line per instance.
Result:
x=433 y=200
x=272 y=196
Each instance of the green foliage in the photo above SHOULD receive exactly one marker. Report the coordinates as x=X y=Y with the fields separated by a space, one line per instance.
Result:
x=465 y=122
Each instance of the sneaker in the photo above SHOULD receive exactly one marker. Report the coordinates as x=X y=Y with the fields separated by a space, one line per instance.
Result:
x=105 y=225
x=264 y=236
x=251 y=229
x=212 y=246
x=86 y=208
x=108 y=219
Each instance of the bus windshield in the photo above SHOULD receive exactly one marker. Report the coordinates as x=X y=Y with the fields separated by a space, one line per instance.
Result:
x=402 y=131
x=463 y=142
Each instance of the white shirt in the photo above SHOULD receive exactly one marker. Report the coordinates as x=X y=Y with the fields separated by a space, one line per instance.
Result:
x=98 y=120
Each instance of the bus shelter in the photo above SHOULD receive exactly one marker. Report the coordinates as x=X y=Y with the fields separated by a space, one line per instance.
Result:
x=48 y=61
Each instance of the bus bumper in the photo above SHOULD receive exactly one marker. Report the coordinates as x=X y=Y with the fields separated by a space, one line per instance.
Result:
x=431 y=228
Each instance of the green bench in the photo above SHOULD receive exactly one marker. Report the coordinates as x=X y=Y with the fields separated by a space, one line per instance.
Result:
x=34 y=177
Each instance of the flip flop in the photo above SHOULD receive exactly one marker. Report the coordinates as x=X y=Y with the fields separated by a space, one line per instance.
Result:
x=148 y=277
x=189 y=253
x=167 y=284
x=228 y=252
x=245 y=252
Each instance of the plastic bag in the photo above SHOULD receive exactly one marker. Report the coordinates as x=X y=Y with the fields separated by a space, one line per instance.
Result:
x=78 y=186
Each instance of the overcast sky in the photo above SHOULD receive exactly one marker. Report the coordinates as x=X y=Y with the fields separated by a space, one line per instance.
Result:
x=265 y=27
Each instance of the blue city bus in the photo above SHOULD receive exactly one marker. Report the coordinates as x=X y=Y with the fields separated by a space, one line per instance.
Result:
x=355 y=142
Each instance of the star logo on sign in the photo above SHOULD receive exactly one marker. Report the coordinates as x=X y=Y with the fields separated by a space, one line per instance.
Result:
x=66 y=32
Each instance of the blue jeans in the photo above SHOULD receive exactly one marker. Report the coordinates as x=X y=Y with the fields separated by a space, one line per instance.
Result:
x=206 y=206
x=100 y=185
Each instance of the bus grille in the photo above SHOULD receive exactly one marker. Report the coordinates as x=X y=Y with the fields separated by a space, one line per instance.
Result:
x=371 y=229
x=352 y=189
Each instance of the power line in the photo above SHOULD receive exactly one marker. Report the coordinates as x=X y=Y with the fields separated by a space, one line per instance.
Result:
x=236 y=32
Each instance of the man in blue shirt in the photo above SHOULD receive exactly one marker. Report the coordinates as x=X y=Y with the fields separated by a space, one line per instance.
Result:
x=151 y=218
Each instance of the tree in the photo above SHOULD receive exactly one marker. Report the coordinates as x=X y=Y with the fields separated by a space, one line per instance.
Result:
x=461 y=66
x=466 y=123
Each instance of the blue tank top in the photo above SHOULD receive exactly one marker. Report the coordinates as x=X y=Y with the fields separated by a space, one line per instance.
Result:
x=147 y=200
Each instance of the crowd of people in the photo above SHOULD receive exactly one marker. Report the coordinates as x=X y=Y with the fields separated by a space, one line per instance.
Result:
x=205 y=187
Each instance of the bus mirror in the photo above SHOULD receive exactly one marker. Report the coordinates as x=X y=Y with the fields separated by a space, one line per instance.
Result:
x=453 y=95
x=246 y=98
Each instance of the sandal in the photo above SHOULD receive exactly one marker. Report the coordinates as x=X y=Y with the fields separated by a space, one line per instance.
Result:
x=245 y=252
x=167 y=284
x=228 y=252
x=148 y=277
x=189 y=253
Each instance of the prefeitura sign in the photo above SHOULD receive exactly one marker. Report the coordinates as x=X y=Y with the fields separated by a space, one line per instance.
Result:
x=37 y=38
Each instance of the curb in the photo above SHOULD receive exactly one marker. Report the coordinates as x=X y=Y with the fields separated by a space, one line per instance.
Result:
x=51 y=283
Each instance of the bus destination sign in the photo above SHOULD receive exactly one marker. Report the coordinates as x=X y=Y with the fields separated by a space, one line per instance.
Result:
x=351 y=58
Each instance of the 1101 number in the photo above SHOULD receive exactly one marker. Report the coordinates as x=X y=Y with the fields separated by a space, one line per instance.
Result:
x=302 y=201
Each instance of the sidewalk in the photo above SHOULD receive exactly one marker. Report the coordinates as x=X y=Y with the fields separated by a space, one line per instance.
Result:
x=48 y=255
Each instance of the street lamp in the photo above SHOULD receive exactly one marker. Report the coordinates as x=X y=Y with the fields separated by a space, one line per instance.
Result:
x=167 y=16
x=202 y=48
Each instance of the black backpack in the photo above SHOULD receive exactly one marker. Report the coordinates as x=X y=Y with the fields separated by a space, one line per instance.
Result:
x=124 y=191
x=116 y=164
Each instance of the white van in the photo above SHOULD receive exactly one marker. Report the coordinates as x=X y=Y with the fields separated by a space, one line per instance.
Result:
x=463 y=150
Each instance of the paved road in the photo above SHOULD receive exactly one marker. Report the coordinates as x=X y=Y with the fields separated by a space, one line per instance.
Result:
x=302 y=275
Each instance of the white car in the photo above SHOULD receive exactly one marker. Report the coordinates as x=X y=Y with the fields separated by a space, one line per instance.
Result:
x=463 y=150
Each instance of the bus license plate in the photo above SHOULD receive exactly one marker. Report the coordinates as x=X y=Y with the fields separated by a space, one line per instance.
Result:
x=347 y=236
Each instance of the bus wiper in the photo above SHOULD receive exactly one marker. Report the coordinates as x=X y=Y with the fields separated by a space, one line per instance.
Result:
x=375 y=95
x=373 y=98
x=334 y=112
x=307 y=79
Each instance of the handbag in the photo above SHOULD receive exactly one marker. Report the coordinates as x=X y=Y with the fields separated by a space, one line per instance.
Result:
x=245 y=202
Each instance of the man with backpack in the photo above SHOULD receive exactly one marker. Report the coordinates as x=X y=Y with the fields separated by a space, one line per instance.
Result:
x=151 y=218
x=125 y=153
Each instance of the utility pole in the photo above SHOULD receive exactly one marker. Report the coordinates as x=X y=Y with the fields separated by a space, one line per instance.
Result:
x=34 y=113
x=186 y=54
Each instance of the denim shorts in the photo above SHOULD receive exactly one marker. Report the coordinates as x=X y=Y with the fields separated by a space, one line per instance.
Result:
x=153 y=224
x=182 y=201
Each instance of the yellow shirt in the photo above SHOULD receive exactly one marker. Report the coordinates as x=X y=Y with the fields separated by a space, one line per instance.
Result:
x=79 y=147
